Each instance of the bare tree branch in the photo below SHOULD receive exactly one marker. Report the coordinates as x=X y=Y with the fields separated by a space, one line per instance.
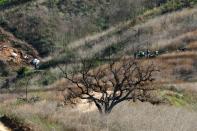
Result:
x=111 y=84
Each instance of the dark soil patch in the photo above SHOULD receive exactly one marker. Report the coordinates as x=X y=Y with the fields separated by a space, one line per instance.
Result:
x=13 y=124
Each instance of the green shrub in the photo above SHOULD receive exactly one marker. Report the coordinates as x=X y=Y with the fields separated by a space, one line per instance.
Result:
x=2 y=2
x=3 y=37
x=172 y=5
x=22 y=72
x=48 y=78
x=103 y=23
x=8 y=3
x=4 y=71
x=3 y=21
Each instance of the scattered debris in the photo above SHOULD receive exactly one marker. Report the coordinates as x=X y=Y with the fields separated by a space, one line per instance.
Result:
x=14 y=52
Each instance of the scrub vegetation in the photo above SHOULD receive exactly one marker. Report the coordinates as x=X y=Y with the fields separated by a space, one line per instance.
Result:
x=86 y=49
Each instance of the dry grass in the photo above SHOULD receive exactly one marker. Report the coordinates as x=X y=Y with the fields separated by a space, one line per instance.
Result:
x=178 y=41
x=167 y=32
x=189 y=86
x=183 y=65
x=137 y=117
x=192 y=45
x=52 y=114
x=125 y=117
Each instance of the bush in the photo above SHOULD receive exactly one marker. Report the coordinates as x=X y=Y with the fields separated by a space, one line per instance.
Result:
x=2 y=2
x=176 y=4
x=80 y=18
x=22 y=72
x=4 y=71
x=8 y=3
x=103 y=23
x=3 y=37
x=43 y=46
x=49 y=78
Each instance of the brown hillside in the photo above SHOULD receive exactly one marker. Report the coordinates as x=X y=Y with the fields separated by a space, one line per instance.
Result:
x=14 y=52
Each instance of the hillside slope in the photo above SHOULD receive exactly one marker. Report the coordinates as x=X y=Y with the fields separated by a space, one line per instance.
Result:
x=51 y=25
x=61 y=33
x=164 y=33
x=153 y=30
x=14 y=54
x=167 y=34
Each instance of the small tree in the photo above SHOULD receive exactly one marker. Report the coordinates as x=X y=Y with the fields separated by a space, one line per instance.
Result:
x=111 y=84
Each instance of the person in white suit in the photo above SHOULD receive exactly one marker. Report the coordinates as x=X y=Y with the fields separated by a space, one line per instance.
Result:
x=35 y=62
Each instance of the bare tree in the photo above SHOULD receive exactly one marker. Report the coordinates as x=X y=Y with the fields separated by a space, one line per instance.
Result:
x=111 y=84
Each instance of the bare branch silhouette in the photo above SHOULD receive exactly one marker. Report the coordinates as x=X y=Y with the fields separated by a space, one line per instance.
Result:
x=108 y=85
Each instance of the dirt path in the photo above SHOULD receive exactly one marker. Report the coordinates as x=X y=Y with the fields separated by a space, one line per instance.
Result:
x=192 y=86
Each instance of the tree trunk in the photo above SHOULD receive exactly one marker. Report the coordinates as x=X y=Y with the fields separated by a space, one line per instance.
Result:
x=108 y=110
x=105 y=110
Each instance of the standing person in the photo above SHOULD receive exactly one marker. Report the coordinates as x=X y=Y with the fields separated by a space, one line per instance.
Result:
x=148 y=53
x=135 y=55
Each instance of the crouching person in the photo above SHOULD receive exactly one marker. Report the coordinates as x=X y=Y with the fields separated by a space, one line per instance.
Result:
x=36 y=63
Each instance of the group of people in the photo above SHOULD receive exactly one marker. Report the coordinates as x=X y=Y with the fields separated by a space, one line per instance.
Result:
x=145 y=54
x=151 y=54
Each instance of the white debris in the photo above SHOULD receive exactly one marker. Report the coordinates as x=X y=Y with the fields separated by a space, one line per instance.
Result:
x=13 y=54
x=4 y=46
x=25 y=57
